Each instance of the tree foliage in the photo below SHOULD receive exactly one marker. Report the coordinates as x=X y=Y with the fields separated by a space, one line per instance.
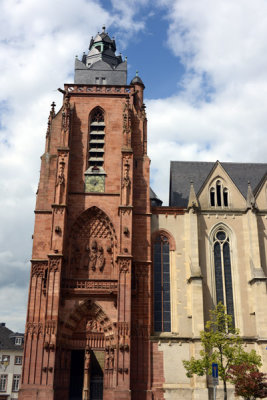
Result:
x=249 y=382
x=221 y=344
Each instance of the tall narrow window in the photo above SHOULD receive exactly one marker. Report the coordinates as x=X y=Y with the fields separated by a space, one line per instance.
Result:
x=95 y=174
x=225 y=197
x=162 y=304
x=212 y=197
x=3 y=383
x=219 y=195
x=223 y=272
x=15 y=383
x=97 y=138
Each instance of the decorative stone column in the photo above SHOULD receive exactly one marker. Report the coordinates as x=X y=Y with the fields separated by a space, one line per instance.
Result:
x=86 y=375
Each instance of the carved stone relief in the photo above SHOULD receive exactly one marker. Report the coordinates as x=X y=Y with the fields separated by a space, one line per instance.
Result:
x=38 y=268
x=109 y=358
x=88 y=319
x=126 y=183
x=61 y=180
x=124 y=336
x=127 y=124
x=66 y=113
x=124 y=265
x=54 y=264
x=94 y=326
x=34 y=328
x=93 y=246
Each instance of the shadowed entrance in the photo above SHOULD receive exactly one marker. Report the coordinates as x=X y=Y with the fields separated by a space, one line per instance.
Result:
x=95 y=375
x=76 y=375
x=96 y=378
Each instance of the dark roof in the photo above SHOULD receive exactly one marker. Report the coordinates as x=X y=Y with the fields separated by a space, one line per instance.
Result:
x=101 y=65
x=137 y=79
x=155 y=201
x=183 y=172
x=7 y=339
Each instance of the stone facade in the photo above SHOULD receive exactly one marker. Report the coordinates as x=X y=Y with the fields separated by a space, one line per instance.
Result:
x=191 y=231
x=90 y=240
x=104 y=321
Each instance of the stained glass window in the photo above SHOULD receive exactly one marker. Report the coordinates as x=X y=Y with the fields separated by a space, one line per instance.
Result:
x=223 y=272
x=162 y=304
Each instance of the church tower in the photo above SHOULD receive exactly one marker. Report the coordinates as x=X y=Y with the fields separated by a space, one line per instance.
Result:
x=88 y=322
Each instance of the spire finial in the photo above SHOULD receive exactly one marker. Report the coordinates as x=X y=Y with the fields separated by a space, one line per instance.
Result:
x=251 y=201
x=192 y=201
x=136 y=73
x=104 y=28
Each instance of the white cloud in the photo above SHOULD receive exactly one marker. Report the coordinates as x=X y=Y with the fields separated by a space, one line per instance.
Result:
x=220 y=112
x=38 y=48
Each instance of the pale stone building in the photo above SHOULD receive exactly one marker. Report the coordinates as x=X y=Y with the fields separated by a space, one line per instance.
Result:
x=209 y=245
x=11 y=354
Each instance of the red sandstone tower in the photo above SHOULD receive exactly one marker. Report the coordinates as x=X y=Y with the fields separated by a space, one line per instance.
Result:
x=88 y=322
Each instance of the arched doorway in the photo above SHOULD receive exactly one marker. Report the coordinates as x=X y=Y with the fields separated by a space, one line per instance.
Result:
x=86 y=378
x=90 y=339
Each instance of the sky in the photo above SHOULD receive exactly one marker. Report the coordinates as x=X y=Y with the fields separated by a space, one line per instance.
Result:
x=204 y=65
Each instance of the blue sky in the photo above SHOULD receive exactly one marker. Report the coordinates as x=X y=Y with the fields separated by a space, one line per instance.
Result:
x=204 y=65
x=148 y=53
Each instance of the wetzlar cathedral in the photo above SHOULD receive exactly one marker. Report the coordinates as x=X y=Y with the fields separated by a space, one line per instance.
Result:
x=120 y=285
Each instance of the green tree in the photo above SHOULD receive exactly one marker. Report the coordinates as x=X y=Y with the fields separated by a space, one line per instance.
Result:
x=221 y=344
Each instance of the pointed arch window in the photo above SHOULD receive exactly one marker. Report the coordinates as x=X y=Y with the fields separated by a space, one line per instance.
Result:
x=223 y=271
x=219 y=195
x=162 y=303
x=95 y=174
x=96 y=138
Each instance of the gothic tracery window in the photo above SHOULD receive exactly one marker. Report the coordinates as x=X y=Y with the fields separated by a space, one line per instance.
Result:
x=219 y=196
x=162 y=304
x=223 y=271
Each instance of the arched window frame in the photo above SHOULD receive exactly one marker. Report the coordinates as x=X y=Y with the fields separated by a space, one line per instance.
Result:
x=234 y=274
x=219 y=196
x=93 y=137
x=163 y=235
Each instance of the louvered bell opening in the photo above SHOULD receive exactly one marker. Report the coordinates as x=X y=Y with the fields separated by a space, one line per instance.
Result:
x=96 y=144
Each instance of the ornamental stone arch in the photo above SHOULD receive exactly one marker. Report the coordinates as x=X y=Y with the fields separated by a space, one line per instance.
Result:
x=222 y=226
x=97 y=113
x=168 y=235
x=88 y=322
x=93 y=246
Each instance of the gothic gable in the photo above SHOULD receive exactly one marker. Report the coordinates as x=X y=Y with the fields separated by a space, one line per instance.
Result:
x=220 y=192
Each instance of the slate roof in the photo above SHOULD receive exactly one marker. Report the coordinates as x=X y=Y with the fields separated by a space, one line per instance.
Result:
x=155 y=201
x=7 y=339
x=183 y=172
x=137 y=79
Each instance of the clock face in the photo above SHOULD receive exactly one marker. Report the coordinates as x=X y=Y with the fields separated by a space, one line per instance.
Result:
x=94 y=183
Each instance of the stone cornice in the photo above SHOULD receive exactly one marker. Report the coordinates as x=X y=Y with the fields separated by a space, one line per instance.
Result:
x=168 y=210
x=92 y=194
x=43 y=211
